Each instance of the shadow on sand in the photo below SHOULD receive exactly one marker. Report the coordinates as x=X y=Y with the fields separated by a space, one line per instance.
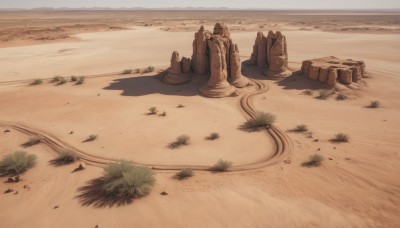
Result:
x=93 y=195
x=152 y=84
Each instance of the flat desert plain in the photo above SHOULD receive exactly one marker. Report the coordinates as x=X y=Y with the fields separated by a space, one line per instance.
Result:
x=357 y=184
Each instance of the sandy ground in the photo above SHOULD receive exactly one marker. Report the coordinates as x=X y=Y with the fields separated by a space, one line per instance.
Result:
x=357 y=185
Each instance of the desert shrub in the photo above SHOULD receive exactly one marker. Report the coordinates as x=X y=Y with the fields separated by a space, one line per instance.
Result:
x=32 y=141
x=126 y=181
x=314 y=161
x=261 y=119
x=148 y=69
x=184 y=174
x=17 y=163
x=137 y=71
x=180 y=141
x=308 y=92
x=74 y=78
x=127 y=71
x=221 y=165
x=180 y=106
x=153 y=110
x=56 y=79
x=37 y=81
x=341 y=97
x=163 y=114
x=91 y=138
x=341 y=137
x=301 y=127
x=65 y=157
x=62 y=81
x=80 y=80
x=324 y=94
x=213 y=136
x=374 y=104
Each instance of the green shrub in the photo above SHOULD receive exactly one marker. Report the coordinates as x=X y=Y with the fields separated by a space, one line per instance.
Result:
x=56 y=79
x=149 y=69
x=180 y=141
x=184 y=174
x=221 y=166
x=37 y=81
x=340 y=137
x=324 y=94
x=127 y=71
x=17 y=163
x=124 y=180
x=213 y=136
x=74 y=78
x=65 y=157
x=32 y=141
x=315 y=160
x=80 y=80
x=301 y=127
x=153 y=110
x=261 y=119
x=341 y=97
x=374 y=104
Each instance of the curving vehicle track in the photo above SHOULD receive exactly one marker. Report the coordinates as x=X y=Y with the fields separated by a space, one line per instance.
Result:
x=283 y=144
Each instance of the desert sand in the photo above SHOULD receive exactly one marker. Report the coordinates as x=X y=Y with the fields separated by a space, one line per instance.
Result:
x=357 y=185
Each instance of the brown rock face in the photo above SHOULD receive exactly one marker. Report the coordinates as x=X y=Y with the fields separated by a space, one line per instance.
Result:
x=236 y=78
x=330 y=69
x=217 y=85
x=271 y=52
x=215 y=54
x=175 y=74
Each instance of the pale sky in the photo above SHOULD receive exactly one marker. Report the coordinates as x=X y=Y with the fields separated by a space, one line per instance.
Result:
x=273 y=4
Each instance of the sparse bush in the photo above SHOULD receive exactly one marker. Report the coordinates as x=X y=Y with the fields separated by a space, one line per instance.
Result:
x=301 y=128
x=340 y=137
x=126 y=181
x=315 y=160
x=213 y=136
x=80 y=80
x=180 y=106
x=153 y=110
x=261 y=119
x=374 y=104
x=17 y=163
x=62 y=81
x=74 y=78
x=341 y=97
x=148 y=69
x=32 y=141
x=56 y=79
x=221 y=166
x=163 y=114
x=324 y=94
x=127 y=71
x=37 y=81
x=308 y=92
x=65 y=157
x=184 y=174
x=91 y=138
x=137 y=70
x=180 y=141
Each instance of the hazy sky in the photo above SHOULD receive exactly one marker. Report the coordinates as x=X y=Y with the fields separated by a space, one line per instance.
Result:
x=291 y=4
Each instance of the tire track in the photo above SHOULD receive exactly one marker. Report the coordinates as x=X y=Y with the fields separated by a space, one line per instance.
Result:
x=283 y=144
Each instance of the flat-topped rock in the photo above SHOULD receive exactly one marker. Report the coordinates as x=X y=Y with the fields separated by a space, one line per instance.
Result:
x=331 y=70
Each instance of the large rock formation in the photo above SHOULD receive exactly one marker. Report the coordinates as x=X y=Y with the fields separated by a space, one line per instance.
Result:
x=331 y=69
x=216 y=55
x=178 y=72
x=271 y=53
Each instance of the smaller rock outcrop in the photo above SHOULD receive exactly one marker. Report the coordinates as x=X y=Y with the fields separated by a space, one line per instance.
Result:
x=332 y=69
x=179 y=71
x=271 y=53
